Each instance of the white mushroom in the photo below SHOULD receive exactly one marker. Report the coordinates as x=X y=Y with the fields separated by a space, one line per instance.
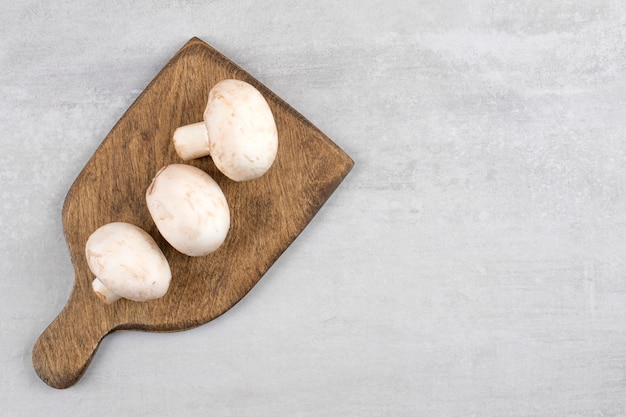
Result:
x=127 y=263
x=189 y=209
x=238 y=131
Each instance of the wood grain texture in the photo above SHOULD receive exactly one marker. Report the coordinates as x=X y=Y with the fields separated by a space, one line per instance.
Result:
x=267 y=214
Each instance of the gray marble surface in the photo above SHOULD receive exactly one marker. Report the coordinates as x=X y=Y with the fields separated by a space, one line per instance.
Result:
x=472 y=263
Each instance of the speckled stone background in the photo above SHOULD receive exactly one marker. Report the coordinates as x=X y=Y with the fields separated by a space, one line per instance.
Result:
x=472 y=263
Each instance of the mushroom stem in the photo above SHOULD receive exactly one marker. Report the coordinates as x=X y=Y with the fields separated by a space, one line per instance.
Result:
x=191 y=141
x=103 y=292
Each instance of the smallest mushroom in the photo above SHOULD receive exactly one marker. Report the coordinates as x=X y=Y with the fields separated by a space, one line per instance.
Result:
x=127 y=263
x=189 y=209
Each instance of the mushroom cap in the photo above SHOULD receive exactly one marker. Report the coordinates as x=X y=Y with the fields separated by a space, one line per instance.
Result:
x=189 y=209
x=243 y=139
x=128 y=261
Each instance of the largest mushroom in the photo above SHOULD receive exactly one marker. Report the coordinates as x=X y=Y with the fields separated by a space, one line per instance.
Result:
x=238 y=131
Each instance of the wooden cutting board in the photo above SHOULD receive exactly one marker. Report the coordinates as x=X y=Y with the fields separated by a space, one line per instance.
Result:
x=267 y=214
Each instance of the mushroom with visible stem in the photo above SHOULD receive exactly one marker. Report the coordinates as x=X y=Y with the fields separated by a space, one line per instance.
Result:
x=189 y=209
x=238 y=131
x=127 y=263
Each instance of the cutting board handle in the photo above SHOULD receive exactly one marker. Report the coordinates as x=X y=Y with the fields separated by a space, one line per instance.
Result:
x=63 y=351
